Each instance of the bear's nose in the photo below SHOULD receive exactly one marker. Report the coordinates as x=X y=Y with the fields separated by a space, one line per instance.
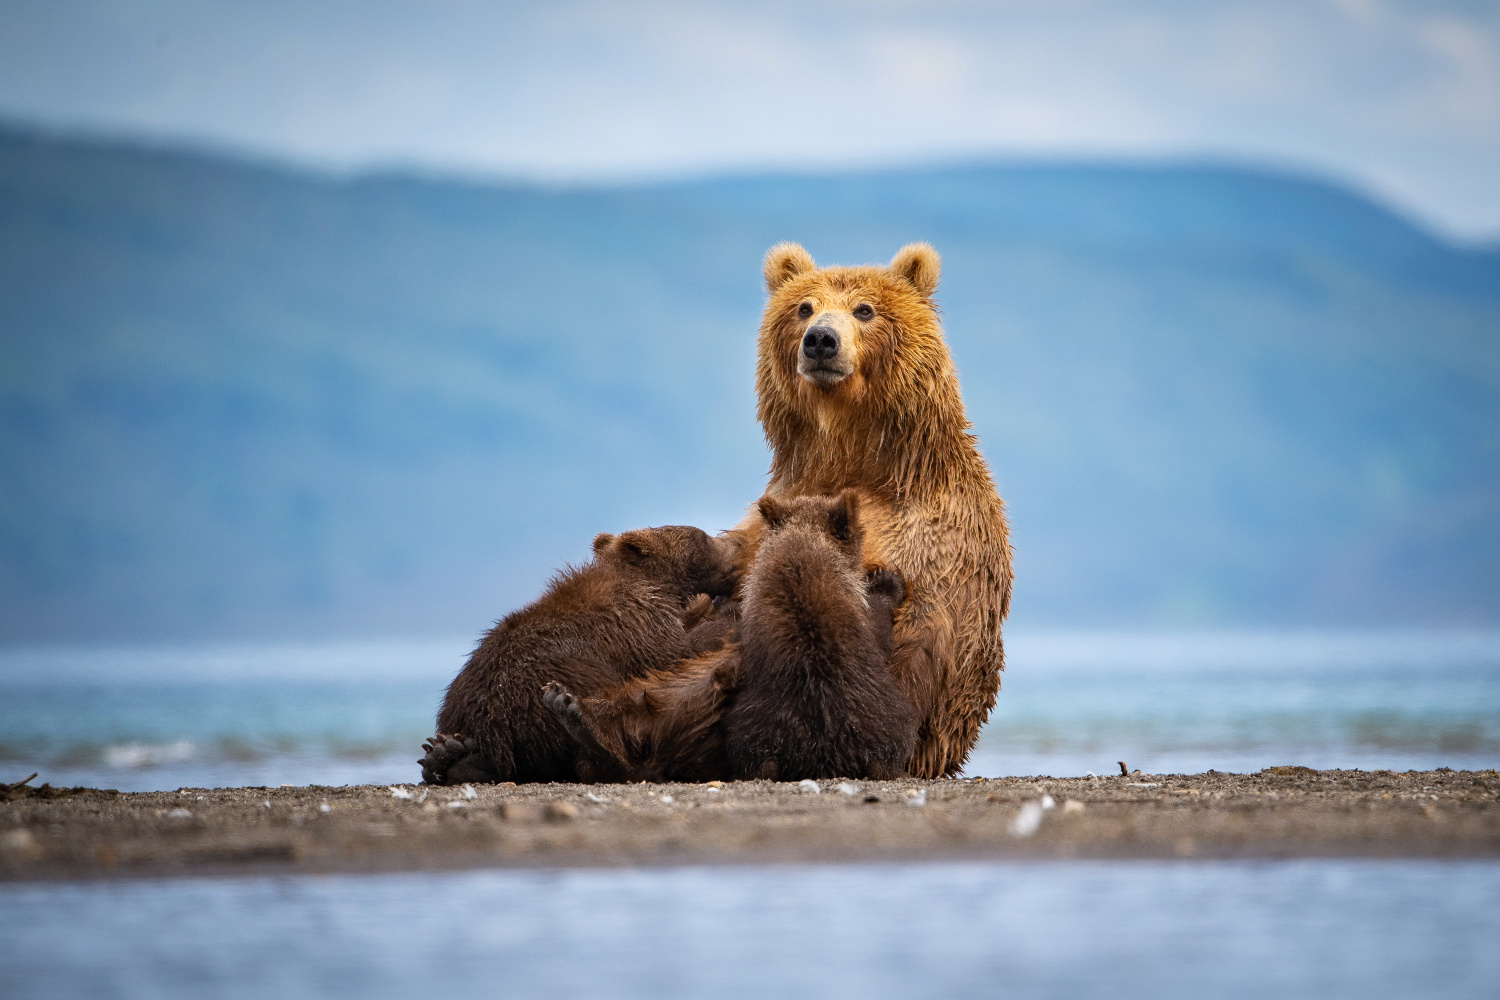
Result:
x=820 y=343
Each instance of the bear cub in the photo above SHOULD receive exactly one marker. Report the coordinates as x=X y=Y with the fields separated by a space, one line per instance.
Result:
x=815 y=695
x=631 y=609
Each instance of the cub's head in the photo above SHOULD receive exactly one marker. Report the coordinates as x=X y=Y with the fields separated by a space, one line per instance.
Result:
x=685 y=559
x=831 y=518
x=846 y=336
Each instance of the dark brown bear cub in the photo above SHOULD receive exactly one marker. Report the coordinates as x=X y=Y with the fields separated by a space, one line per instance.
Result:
x=622 y=614
x=816 y=697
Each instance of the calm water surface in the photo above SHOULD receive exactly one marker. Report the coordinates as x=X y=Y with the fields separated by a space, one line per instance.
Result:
x=1325 y=929
x=351 y=713
x=1072 y=703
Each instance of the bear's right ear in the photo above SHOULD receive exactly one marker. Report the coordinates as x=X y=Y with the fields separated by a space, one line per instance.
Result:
x=784 y=262
x=601 y=541
x=772 y=512
x=843 y=519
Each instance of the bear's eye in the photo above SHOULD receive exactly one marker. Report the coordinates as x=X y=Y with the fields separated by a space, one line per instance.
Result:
x=863 y=312
x=804 y=310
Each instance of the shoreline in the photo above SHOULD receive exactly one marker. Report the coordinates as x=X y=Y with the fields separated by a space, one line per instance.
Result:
x=1286 y=812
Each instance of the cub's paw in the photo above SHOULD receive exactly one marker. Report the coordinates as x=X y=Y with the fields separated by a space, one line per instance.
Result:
x=561 y=703
x=442 y=752
x=886 y=583
x=569 y=711
x=699 y=610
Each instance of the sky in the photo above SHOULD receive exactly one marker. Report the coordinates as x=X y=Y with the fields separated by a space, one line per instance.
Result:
x=1401 y=99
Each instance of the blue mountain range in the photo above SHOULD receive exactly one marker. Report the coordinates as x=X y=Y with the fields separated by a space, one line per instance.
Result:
x=240 y=399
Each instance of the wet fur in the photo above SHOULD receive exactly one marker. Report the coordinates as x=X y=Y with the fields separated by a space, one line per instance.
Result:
x=894 y=430
x=816 y=698
x=633 y=609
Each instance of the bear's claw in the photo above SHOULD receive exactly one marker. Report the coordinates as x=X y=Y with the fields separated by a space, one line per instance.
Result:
x=887 y=583
x=442 y=752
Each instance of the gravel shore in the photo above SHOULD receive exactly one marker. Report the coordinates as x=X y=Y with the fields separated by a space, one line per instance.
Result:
x=1280 y=812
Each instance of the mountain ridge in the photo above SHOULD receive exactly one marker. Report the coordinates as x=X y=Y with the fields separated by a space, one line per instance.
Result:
x=238 y=399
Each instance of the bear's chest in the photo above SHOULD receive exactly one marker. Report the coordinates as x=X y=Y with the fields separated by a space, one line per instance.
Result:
x=924 y=543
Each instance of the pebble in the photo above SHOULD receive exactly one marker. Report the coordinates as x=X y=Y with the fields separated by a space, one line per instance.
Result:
x=561 y=812
x=20 y=842
x=1027 y=821
x=809 y=785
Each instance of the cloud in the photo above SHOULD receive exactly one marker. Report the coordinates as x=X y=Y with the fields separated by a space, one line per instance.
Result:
x=1403 y=97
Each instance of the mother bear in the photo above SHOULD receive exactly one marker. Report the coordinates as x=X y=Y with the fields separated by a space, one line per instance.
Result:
x=856 y=389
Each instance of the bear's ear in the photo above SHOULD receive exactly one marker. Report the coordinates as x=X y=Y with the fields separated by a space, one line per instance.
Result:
x=843 y=518
x=773 y=512
x=918 y=263
x=637 y=546
x=784 y=262
x=601 y=541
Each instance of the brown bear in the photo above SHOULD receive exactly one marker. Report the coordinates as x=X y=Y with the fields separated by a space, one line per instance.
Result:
x=630 y=610
x=800 y=679
x=816 y=698
x=856 y=389
x=665 y=725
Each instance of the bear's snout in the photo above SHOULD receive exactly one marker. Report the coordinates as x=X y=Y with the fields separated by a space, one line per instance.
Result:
x=820 y=343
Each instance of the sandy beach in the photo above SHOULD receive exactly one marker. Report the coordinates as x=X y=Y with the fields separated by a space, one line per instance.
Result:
x=1281 y=812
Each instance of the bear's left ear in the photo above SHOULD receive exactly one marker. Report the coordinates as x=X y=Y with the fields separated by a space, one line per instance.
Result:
x=918 y=263
x=601 y=541
x=636 y=545
x=784 y=262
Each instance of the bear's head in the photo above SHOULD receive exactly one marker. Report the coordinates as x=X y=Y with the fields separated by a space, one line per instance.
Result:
x=835 y=518
x=810 y=542
x=681 y=558
x=852 y=364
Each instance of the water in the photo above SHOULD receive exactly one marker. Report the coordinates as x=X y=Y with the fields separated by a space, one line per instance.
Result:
x=1325 y=929
x=1073 y=703
x=142 y=719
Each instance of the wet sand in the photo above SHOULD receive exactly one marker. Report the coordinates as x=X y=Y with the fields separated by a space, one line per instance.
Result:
x=1277 y=813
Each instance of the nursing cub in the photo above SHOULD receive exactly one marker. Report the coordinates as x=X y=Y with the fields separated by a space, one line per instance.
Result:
x=628 y=611
x=806 y=692
x=816 y=697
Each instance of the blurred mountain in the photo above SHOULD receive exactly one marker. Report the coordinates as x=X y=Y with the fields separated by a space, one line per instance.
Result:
x=241 y=400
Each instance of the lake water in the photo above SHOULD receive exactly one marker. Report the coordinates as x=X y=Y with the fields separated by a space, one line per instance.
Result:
x=1323 y=929
x=1073 y=703
x=142 y=719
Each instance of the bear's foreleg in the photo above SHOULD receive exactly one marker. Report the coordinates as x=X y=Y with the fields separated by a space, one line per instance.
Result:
x=920 y=661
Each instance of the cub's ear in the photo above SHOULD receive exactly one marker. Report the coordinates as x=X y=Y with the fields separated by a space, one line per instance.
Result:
x=773 y=512
x=637 y=545
x=918 y=263
x=784 y=262
x=601 y=541
x=843 y=518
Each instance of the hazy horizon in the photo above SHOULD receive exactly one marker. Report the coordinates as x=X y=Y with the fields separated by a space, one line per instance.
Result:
x=1400 y=99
